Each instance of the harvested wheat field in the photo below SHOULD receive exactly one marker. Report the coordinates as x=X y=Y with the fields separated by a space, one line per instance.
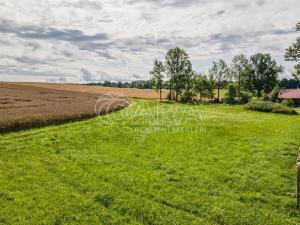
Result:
x=26 y=106
x=128 y=92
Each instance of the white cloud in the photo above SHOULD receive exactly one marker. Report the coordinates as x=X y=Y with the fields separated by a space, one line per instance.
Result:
x=55 y=40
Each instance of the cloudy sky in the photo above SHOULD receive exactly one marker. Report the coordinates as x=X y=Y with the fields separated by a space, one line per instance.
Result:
x=96 y=40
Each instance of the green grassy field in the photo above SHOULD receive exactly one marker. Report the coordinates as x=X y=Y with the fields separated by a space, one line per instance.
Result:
x=154 y=164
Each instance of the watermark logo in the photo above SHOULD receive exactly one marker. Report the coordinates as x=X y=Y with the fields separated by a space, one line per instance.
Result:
x=149 y=116
x=109 y=102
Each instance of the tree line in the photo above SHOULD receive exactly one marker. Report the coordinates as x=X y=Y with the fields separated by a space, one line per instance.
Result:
x=148 y=84
x=244 y=77
x=140 y=84
x=257 y=75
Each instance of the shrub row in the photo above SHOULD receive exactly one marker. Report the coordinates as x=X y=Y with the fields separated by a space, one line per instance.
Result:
x=263 y=106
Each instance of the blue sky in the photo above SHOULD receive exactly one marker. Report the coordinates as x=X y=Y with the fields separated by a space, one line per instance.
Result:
x=95 y=40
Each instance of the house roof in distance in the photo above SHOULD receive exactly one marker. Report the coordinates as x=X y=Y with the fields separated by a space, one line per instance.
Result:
x=290 y=94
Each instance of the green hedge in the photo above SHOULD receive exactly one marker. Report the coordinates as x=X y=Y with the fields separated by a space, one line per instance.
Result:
x=262 y=106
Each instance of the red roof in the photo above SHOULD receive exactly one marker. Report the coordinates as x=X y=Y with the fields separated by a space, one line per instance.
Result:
x=290 y=94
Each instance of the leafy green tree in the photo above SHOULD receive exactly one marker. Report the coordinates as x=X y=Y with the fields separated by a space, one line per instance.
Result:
x=296 y=74
x=179 y=69
x=231 y=94
x=202 y=87
x=188 y=80
x=219 y=72
x=157 y=76
x=293 y=54
x=239 y=69
x=247 y=81
x=211 y=87
x=264 y=73
x=275 y=93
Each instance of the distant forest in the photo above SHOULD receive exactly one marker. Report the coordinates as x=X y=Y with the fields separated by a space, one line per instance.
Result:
x=140 y=84
x=147 y=84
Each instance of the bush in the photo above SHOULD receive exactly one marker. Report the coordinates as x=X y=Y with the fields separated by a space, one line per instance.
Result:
x=262 y=106
x=255 y=99
x=275 y=93
x=230 y=94
x=288 y=102
x=244 y=97
x=186 y=97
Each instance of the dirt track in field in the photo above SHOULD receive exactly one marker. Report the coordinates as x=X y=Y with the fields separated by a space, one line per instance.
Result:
x=24 y=106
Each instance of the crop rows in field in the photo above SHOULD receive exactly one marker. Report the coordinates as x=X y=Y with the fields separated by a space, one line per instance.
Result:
x=99 y=90
x=24 y=106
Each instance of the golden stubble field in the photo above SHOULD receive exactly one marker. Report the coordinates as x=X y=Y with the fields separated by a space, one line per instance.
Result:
x=128 y=92
x=26 y=105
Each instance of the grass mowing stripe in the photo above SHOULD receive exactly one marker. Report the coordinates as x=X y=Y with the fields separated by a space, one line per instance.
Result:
x=62 y=161
x=72 y=202
x=74 y=185
x=108 y=187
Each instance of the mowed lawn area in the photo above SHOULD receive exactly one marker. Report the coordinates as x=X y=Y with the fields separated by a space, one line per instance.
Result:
x=154 y=163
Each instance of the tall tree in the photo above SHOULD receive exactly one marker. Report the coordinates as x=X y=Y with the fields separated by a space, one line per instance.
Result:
x=264 y=72
x=296 y=74
x=239 y=68
x=157 y=76
x=202 y=86
x=219 y=72
x=178 y=67
x=188 y=80
x=293 y=54
x=211 y=87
